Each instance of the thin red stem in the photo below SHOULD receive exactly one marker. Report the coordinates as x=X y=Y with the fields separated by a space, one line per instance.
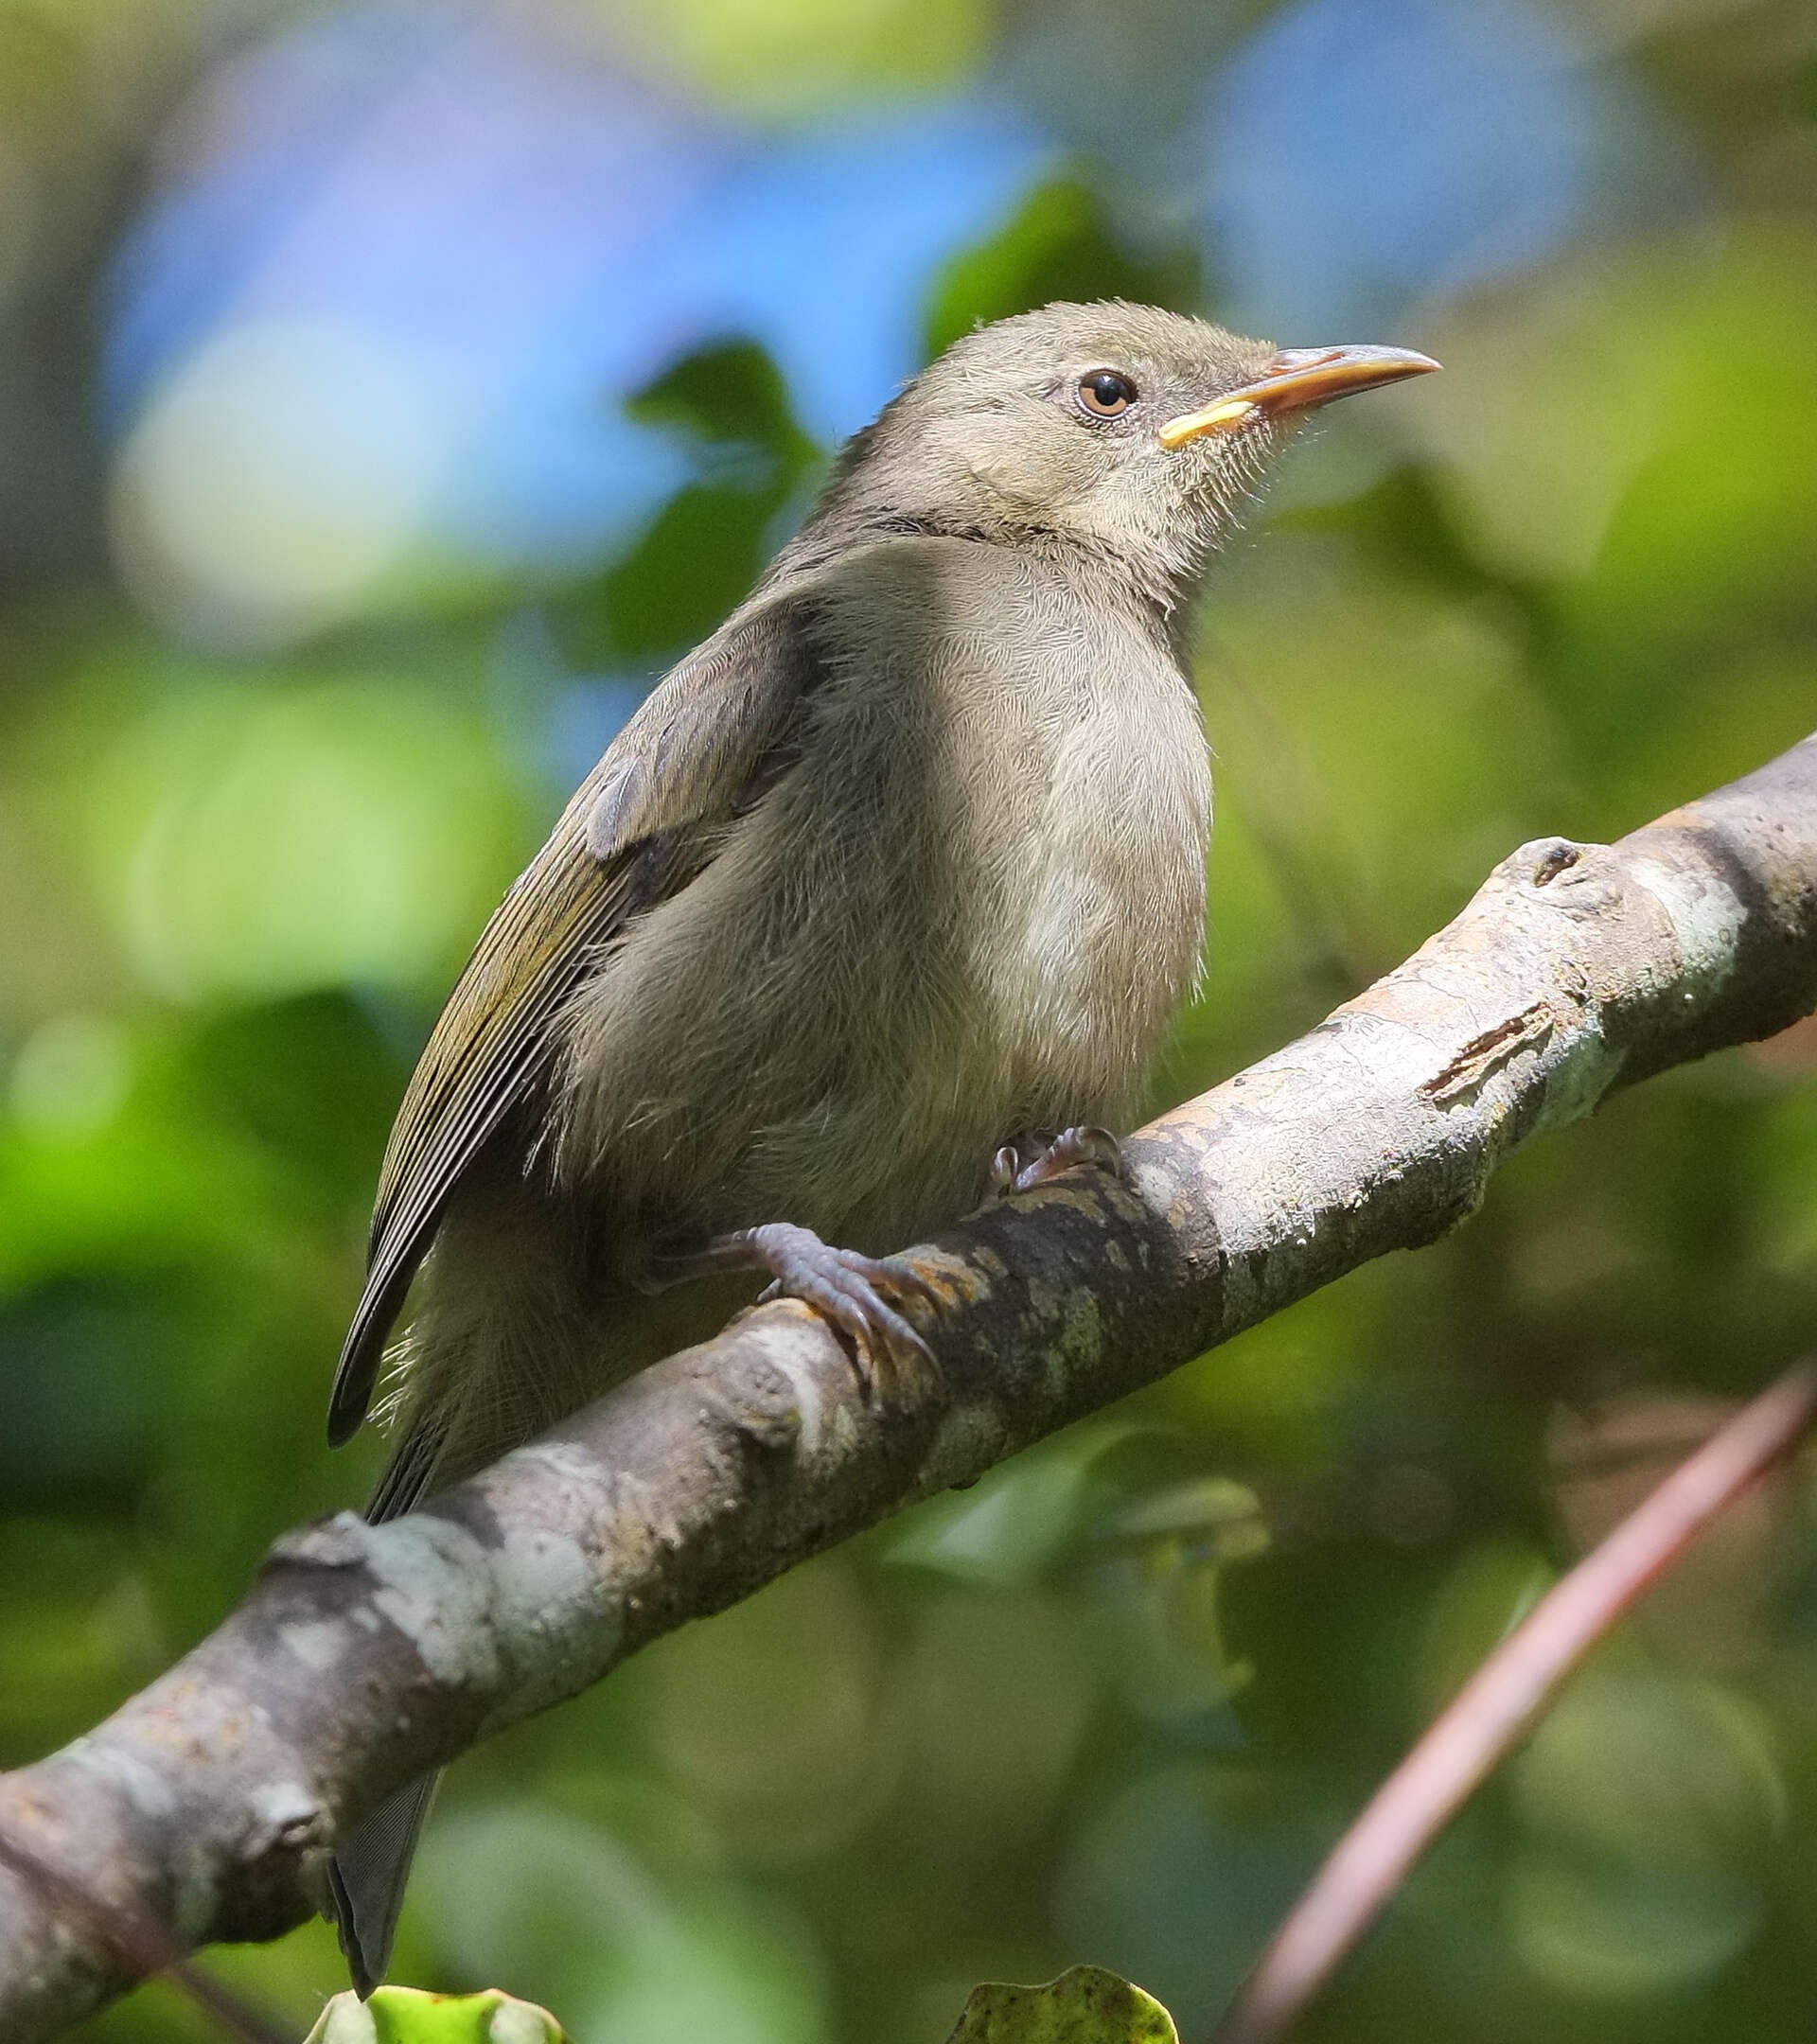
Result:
x=1499 y=1704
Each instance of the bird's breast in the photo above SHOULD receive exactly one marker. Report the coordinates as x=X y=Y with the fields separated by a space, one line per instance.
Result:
x=1049 y=769
x=1112 y=913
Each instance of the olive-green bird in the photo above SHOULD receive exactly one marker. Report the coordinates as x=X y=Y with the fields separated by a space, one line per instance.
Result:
x=885 y=896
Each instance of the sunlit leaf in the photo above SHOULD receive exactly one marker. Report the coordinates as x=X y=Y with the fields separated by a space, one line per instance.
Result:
x=409 y=2016
x=257 y=842
x=789 y=57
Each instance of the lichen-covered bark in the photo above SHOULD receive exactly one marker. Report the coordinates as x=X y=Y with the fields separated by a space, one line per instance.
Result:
x=363 y=1655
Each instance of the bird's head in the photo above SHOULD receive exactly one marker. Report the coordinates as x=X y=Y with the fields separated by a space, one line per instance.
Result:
x=1133 y=433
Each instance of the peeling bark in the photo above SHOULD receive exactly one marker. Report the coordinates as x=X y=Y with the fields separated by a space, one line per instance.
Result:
x=363 y=1655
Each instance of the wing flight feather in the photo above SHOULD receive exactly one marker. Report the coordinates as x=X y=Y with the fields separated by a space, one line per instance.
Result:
x=710 y=731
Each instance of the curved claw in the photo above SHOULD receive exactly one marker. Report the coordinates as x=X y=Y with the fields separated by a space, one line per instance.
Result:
x=1072 y=1147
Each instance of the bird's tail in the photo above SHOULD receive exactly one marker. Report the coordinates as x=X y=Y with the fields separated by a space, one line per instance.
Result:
x=504 y=1344
x=371 y=1865
x=490 y=1361
x=366 y=1880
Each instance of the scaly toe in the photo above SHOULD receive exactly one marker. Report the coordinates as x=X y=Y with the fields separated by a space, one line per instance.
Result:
x=849 y=1289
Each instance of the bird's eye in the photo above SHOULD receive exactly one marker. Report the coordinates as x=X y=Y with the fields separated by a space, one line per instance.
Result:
x=1106 y=393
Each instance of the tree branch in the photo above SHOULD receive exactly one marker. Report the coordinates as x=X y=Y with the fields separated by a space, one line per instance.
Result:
x=364 y=1655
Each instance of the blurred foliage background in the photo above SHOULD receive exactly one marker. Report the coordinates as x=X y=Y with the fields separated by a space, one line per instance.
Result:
x=387 y=393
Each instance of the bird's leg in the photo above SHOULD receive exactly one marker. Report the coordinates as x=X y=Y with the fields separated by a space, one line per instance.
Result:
x=1073 y=1146
x=850 y=1290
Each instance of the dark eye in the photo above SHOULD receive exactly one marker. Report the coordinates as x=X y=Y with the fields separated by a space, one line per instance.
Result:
x=1105 y=393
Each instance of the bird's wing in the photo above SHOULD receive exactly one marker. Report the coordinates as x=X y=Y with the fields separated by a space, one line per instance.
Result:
x=715 y=731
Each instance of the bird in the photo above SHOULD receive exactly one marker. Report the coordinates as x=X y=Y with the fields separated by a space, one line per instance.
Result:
x=881 y=902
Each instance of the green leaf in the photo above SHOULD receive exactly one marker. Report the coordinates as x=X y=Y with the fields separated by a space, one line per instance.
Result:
x=697 y=561
x=789 y=59
x=730 y=393
x=1085 y=2006
x=1058 y=244
x=700 y=554
x=411 y=2016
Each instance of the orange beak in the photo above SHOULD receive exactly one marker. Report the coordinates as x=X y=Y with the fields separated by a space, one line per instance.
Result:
x=1296 y=381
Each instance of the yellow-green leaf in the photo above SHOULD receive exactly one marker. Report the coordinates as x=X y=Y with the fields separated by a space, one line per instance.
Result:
x=1085 y=2006
x=409 y=2016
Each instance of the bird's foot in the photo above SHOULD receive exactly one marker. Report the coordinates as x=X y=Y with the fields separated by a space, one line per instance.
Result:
x=852 y=1291
x=1070 y=1148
